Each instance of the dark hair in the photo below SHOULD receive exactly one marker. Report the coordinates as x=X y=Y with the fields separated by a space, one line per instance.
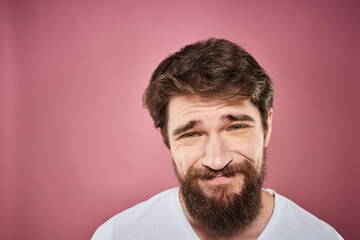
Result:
x=215 y=68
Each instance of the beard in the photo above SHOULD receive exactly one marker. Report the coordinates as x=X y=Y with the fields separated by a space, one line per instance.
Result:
x=220 y=210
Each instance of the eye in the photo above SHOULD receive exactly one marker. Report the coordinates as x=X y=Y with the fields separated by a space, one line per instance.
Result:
x=189 y=135
x=237 y=127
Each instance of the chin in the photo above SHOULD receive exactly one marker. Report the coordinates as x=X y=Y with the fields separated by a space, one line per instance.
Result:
x=222 y=193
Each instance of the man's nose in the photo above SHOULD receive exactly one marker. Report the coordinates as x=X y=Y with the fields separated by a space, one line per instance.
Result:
x=216 y=157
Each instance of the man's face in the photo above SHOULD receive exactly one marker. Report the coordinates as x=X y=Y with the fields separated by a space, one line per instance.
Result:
x=218 y=151
x=205 y=133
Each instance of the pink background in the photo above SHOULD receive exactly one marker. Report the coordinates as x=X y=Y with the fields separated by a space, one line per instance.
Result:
x=77 y=147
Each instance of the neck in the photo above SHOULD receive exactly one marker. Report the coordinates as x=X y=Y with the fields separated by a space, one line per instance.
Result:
x=251 y=232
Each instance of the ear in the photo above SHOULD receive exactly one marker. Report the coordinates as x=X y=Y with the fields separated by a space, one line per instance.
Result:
x=269 y=127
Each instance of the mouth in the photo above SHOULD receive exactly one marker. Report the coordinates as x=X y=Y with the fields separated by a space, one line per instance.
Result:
x=220 y=179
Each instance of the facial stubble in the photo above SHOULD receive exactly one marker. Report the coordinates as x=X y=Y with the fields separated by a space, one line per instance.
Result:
x=223 y=212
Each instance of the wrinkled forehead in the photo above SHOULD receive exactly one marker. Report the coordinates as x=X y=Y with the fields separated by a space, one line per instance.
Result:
x=195 y=108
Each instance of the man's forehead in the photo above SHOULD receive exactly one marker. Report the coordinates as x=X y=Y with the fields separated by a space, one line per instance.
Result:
x=190 y=105
x=183 y=110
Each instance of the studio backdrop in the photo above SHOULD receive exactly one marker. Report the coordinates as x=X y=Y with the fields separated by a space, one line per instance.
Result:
x=76 y=145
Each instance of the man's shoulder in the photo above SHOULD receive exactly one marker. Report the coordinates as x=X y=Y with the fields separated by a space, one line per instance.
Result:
x=290 y=221
x=154 y=204
x=149 y=217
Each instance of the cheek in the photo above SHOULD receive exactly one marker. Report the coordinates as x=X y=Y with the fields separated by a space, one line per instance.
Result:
x=185 y=157
x=250 y=147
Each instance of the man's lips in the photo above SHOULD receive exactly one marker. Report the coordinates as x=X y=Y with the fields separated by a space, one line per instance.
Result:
x=218 y=180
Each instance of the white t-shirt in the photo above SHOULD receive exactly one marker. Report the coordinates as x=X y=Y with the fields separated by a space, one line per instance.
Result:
x=161 y=217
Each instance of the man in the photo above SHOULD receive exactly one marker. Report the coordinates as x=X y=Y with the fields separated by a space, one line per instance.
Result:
x=212 y=104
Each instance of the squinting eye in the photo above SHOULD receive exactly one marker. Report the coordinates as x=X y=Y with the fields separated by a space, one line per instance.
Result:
x=189 y=135
x=236 y=127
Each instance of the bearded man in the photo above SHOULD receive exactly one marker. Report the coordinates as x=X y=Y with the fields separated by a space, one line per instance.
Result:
x=212 y=103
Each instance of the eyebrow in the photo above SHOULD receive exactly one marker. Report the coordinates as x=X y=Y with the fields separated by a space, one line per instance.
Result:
x=239 y=117
x=230 y=118
x=186 y=126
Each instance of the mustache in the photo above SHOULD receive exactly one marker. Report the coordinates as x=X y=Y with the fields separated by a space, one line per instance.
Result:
x=208 y=173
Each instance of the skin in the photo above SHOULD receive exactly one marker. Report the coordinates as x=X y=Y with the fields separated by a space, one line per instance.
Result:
x=208 y=133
